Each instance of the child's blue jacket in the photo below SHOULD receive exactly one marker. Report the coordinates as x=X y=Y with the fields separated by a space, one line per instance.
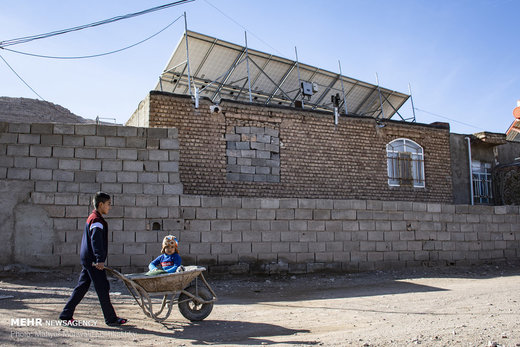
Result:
x=169 y=263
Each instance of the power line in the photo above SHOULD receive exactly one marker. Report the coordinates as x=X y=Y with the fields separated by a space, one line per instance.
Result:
x=94 y=55
x=240 y=25
x=17 y=75
x=450 y=119
x=81 y=27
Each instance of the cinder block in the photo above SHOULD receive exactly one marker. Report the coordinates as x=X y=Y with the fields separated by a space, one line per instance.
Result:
x=298 y=225
x=240 y=225
x=126 y=154
x=270 y=236
x=220 y=248
x=280 y=247
x=126 y=177
x=266 y=214
x=158 y=155
x=350 y=225
x=261 y=247
x=231 y=202
x=307 y=203
x=73 y=236
x=106 y=153
x=344 y=214
x=134 y=248
x=117 y=142
x=18 y=174
x=45 y=186
x=251 y=236
x=232 y=236
x=69 y=164
x=132 y=165
x=51 y=140
x=92 y=188
x=367 y=225
x=18 y=150
x=246 y=213
x=190 y=200
x=26 y=139
x=85 y=129
x=123 y=236
x=147 y=177
x=226 y=213
x=168 y=200
x=321 y=214
x=200 y=248
x=157 y=212
x=365 y=246
x=169 y=143
x=221 y=225
x=193 y=236
x=112 y=165
x=39 y=151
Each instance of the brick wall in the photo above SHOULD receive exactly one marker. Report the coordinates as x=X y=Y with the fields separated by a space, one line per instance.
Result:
x=48 y=173
x=311 y=158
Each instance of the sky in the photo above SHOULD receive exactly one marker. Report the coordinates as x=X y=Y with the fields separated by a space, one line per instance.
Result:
x=460 y=57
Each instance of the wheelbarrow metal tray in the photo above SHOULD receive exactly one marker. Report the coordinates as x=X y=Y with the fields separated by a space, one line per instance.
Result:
x=167 y=282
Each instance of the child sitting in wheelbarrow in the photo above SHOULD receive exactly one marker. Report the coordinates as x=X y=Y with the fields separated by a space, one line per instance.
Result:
x=170 y=260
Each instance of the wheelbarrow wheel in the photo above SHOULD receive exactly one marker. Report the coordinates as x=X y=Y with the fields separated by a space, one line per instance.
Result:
x=193 y=310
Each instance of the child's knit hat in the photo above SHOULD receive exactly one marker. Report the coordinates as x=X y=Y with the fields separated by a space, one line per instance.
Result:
x=170 y=240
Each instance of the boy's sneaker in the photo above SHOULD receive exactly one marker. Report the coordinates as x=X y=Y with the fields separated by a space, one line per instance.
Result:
x=118 y=322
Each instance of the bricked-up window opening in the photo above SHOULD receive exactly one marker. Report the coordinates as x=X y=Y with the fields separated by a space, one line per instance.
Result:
x=253 y=154
x=482 y=190
x=405 y=162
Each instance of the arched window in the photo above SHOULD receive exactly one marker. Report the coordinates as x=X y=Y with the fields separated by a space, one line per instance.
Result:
x=405 y=161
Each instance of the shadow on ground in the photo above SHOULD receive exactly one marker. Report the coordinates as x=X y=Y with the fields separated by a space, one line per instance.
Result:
x=234 y=332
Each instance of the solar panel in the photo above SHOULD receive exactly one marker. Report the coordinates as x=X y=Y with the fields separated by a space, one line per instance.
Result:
x=219 y=69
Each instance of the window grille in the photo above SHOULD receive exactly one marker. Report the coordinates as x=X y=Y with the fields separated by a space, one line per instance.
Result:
x=405 y=162
x=482 y=185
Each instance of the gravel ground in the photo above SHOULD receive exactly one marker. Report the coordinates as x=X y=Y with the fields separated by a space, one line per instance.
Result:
x=477 y=306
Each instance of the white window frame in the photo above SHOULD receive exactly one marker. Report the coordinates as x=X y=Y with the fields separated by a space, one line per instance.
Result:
x=416 y=154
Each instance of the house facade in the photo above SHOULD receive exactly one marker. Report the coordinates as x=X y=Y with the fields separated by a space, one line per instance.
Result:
x=265 y=151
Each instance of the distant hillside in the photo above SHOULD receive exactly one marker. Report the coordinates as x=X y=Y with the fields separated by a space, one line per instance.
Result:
x=24 y=110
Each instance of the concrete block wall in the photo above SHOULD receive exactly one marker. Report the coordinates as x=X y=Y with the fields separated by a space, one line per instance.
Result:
x=49 y=172
x=264 y=235
x=316 y=159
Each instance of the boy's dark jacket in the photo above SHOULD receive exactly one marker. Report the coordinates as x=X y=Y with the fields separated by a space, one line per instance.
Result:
x=94 y=245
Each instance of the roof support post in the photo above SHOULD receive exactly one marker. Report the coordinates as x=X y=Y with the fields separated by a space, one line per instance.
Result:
x=299 y=80
x=248 y=76
x=342 y=88
x=411 y=99
x=380 y=98
x=187 y=52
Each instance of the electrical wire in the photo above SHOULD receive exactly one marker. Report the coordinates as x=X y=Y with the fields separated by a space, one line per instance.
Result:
x=240 y=25
x=20 y=77
x=94 y=24
x=95 y=55
x=450 y=119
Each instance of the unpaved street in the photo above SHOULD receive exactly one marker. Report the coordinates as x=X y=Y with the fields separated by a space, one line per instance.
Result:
x=443 y=307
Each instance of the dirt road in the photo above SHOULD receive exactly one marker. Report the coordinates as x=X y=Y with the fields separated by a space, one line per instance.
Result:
x=443 y=307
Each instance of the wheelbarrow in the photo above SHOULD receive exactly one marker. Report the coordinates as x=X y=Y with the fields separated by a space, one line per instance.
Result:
x=195 y=301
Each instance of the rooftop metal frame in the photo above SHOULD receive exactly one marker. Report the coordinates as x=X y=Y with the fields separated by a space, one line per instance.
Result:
x=219 y=72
